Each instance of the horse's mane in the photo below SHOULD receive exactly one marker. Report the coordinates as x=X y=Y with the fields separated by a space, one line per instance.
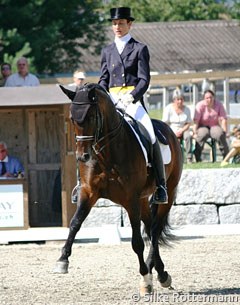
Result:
x=94 y=86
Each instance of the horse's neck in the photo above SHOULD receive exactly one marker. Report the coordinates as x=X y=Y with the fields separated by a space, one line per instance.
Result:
x=111 y=117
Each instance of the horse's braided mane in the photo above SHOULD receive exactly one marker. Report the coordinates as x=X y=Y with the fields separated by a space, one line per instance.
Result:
x=95 y=86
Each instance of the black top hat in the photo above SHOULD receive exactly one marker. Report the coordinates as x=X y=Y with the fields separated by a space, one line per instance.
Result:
x=120 y=13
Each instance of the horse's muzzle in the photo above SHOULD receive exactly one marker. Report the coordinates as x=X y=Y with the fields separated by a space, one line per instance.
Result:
x=84 y=157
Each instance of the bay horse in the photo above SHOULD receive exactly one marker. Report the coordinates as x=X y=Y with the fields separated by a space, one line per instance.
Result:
x=112 y=165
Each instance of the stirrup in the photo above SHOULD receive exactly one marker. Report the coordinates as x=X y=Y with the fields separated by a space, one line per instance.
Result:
x=160 y=196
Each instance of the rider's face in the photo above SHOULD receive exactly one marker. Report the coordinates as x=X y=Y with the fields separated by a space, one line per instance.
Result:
x=121 y=27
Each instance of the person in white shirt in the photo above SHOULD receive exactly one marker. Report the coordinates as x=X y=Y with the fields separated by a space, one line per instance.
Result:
x=178 y=117
x=22 y=77
x=78 y=79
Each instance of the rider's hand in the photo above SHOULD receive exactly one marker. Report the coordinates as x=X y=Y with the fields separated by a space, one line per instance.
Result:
x=127 y=99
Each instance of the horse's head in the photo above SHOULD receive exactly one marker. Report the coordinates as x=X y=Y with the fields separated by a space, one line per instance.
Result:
x=86 y=117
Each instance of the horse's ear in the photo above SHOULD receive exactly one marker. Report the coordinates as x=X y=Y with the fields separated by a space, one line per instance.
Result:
x=71 y=94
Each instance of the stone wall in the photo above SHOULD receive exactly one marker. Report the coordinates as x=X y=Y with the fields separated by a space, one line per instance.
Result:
x=205 y=196
x=208 y=196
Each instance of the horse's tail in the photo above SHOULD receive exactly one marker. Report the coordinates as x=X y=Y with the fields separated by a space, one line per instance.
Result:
x=166 y=233
x=161 y=227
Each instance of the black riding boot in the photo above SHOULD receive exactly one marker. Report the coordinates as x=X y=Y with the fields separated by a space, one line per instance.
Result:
x=160 y=196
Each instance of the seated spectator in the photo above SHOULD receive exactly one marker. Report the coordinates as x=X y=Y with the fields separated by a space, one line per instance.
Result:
x=9 y=166
x=22 y=77
x=210 y=120
x=178 y=117
x=78 y=78
x=235 y=150
x=6 y=71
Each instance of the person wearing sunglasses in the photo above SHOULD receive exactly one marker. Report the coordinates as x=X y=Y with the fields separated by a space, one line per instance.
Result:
x=9 y=166
x=6 y=71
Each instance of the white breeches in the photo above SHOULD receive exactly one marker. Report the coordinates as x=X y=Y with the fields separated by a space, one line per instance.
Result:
x=137 y=111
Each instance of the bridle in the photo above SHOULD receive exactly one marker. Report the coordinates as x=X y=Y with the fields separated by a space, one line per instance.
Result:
x=93 y=102
x=100 y=142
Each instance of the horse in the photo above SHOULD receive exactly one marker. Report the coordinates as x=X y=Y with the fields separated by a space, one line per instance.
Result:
x=112 y=165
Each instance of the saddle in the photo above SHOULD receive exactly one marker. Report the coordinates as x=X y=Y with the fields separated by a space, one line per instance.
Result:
x=144 y=137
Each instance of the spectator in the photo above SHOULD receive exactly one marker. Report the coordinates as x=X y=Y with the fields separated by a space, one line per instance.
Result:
x=210 y=122
x=235 y=150
x=6 y=71
x=178 y=117
x=78 y=78
x=22 y=77
x=10 y=166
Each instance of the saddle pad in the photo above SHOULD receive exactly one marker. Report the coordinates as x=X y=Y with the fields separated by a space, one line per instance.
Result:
x=166 y=153
x=165 y=149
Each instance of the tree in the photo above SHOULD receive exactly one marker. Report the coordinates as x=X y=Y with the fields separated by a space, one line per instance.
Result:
x=52 y=33
x=235 y=9
x=175 y=10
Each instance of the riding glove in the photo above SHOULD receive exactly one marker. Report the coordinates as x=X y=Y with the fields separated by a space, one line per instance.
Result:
x=127 y=99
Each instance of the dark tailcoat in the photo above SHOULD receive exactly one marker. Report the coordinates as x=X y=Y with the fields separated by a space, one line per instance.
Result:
x=131 y=68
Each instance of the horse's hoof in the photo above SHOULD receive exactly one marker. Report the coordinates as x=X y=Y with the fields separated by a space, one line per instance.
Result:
x=167 y=283
x=146 y=285
x=145 y=290
x=61 y=267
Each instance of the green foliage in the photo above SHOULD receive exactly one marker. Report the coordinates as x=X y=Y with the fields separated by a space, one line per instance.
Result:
x=235 y=9
x=176 y=10
x=51 y=32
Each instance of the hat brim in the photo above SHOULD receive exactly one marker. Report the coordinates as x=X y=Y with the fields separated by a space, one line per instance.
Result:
x=119 y=17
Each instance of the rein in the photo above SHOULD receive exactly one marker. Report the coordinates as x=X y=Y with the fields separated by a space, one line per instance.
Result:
x=100 y=143
x=113 y=134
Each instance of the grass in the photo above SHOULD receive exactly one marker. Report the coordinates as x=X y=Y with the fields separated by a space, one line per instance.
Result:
x=156 y=114
x=202 y=165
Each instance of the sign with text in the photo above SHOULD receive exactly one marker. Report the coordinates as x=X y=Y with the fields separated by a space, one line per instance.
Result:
x=11 y=205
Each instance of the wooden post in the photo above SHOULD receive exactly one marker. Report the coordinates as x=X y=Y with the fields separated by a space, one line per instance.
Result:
x=226 y=97
x=165 y=97
x=195 y=95
x=226 y=94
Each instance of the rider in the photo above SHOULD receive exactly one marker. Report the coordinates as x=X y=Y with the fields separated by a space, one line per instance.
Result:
x=125 y=73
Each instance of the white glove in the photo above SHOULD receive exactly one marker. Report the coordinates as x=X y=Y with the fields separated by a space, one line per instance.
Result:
x=127 y=99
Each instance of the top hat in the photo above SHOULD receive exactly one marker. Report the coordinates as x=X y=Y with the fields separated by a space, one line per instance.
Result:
x=120 y=13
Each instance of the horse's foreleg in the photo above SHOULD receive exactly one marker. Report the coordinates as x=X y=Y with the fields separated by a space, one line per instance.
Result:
x=138 y=247
x=80 y=215
x=150 y=259
x=147 y=220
